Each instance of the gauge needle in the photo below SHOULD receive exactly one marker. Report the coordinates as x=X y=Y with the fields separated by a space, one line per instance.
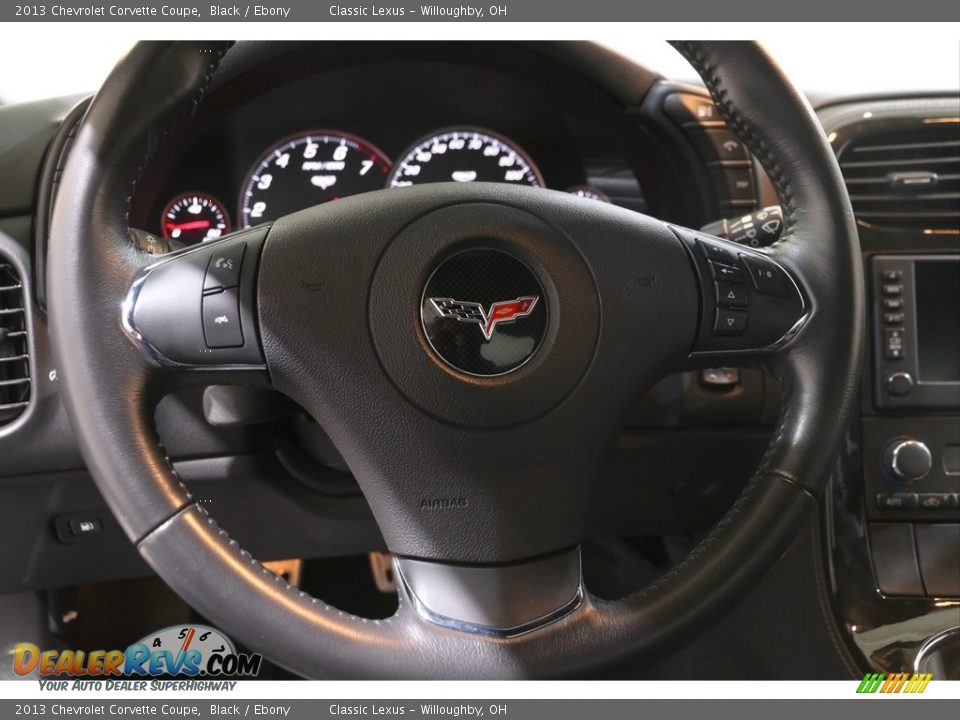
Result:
x=192 y=225
x=185 y=646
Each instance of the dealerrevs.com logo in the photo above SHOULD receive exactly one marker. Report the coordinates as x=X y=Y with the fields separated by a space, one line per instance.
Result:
x=192 y=651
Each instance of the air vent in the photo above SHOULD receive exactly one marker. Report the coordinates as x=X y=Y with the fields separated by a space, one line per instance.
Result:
x=14 y=358
x=905 y=176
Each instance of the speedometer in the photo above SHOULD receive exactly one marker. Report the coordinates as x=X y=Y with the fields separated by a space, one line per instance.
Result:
x=465 y=155
x=309 y=169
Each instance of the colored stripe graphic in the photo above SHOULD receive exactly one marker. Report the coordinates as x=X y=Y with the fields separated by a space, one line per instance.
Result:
x=871 y=682
x=913 y=683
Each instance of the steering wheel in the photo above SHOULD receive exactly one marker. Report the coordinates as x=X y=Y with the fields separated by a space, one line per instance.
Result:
x=471 y=349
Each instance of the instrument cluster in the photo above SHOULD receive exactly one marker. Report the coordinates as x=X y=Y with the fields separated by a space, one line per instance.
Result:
x=318 y=166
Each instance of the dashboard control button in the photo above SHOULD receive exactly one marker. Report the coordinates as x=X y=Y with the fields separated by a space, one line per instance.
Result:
x=726 y=273
x=951 y=460
x=730 y=322
x=897 y=501
x=894 y=555
x=730 y=294
x=718 y=252
x=85 y=526
x=934 y=501
x=719 y=144
x=954 y=500
x=690 y=109
x=892 y=303
x=223 y=270
x=767 y=277
x=893 y=318
x=907 y=460
x=149 y=243
x=891 y=275
x=898 y=384
x=893 y=350
x=892 y=288
x=734 y=183
x=221 y=319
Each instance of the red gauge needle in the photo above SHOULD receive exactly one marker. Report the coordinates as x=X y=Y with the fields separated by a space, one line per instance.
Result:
x=192 y=225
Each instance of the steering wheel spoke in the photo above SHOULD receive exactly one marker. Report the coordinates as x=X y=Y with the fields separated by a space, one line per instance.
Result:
x=750 y=305
x=193 y=312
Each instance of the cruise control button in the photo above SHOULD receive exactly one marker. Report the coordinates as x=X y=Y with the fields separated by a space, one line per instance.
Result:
x=730 y=294
x=730 y=322
x=726 y=273
x=223 y=270
x=767 y=277
x=221 y=319
x=718 y=252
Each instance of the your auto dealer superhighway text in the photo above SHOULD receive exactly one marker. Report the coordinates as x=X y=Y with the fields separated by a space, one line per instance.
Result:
x=171 y=11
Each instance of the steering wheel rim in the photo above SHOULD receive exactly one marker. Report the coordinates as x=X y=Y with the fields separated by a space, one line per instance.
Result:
x=110 y=387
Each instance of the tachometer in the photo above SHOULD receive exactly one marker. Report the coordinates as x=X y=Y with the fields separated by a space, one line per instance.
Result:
x=194 y=217
x=465 y=155
x=309 y=169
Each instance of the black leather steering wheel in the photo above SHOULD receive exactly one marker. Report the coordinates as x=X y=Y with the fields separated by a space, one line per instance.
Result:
x=476 y=442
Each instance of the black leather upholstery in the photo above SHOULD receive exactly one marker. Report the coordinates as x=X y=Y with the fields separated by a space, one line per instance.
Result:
x=109 y=392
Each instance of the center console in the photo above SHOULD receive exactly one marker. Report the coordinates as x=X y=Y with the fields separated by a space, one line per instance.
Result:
x=893 y=507
x=912 y=444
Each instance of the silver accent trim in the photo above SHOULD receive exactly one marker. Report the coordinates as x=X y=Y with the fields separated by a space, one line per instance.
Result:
x=470 y=595
x=127 y=308
x=932 y=646
x=486 y=315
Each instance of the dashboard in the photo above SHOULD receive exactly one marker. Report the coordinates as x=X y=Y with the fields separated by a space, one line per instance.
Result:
x=310 y=133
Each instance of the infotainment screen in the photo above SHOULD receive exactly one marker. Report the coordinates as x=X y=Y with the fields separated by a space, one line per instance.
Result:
x=938 y=320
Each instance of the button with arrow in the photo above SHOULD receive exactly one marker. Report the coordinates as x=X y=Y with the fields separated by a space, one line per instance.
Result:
x=730 y=322
x=730 y=295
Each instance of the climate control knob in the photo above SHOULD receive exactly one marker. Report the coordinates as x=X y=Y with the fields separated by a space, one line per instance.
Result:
x=907 y=460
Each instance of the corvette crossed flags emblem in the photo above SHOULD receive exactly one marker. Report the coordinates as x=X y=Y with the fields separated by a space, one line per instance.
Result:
x=500 y=312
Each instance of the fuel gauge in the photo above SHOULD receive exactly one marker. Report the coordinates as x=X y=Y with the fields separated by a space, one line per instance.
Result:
x=192 y=218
